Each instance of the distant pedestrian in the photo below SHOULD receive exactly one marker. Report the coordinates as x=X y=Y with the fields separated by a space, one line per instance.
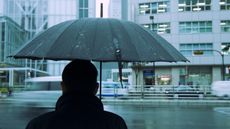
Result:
x=78 y=107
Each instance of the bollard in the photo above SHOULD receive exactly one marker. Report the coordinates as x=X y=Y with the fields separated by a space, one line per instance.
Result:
x=175 y=96
x=201 y=96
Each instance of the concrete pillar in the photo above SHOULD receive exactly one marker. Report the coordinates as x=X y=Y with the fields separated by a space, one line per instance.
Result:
x=133 y=77
x=175 y=76
x=11 y=78
x=137 y=77
x=216 y=73
x=141 y=77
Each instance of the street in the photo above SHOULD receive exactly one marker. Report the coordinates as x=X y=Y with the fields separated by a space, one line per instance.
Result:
x=16 y=114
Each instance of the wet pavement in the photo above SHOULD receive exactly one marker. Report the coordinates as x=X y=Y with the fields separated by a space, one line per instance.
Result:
x=15 y=115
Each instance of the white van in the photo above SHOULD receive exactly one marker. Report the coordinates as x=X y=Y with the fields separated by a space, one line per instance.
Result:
x=50 y=83
x=221 y=88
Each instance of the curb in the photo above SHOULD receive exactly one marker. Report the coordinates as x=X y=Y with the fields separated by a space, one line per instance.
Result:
x=157 y=102
x=170 y=102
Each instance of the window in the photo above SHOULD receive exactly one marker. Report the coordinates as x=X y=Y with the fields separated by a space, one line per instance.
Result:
x=83 y=8
x=188 y=49
x=194 y=5
x=225 y=48
x=195 y=27
x=224 y=4
x=154 y=8
x=225 y=26
x=2 y=30
x=144 y=8
x=160 y=28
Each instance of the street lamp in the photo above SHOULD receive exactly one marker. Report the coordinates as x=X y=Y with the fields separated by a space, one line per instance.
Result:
x=222 y=57
x=201 y=52
x=152 y=18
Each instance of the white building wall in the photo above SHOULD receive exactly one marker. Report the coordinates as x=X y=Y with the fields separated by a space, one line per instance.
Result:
x=59 y=11
x=92 y=8
x=115 y=9
x=1 y=7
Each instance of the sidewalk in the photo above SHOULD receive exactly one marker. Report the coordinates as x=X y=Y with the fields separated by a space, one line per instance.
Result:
x=138 y=101
x=164 y=102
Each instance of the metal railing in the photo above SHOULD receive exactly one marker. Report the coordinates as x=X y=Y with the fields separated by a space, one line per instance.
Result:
x=151 y=92
x=167 y=92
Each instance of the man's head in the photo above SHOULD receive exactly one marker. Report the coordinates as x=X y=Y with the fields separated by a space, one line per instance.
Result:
x=79 y=76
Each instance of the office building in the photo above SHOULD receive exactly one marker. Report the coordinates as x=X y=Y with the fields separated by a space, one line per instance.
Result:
x=199 y=29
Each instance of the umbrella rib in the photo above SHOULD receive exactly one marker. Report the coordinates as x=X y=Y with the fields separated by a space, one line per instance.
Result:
x=174 y=50
x=144 y=30
x=94 y=37
x=63 y=32
x=127 y=34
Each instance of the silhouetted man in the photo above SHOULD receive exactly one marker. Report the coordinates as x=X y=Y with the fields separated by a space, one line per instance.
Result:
x=78 y=107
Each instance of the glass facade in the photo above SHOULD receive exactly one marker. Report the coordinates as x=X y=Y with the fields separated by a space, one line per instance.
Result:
x=194 y=5
x=160 y=28
x=201 y=75
x=83 y=8
x=224 y=4
x=31 y=15
x=225 y=25
x=195 y=27
x=12 y=37
x=188 y=49
x=196 y=76
x=27 y=18
x=154 y=7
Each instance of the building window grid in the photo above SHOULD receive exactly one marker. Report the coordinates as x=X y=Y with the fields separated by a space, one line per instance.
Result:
x=160 y=28
x=225 y=25
x=224 y=4
x=194 y=5
x=154 y=7
x=30 y=15
x=12 y=37
x=188 y=49
x=195 y=27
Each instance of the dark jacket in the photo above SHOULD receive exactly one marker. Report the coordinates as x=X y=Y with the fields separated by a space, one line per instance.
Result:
x=78 y=112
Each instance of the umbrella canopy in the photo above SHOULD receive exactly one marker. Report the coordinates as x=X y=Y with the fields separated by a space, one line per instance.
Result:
x=99 y=39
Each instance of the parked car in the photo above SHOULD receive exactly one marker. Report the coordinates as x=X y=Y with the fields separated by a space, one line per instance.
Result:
x=221 y=88
x=183 y=91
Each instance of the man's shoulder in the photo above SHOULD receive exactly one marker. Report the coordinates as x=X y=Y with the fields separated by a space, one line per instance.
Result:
x=115 y=120
x=45 y=116
x=40 y=120
x=112 y=115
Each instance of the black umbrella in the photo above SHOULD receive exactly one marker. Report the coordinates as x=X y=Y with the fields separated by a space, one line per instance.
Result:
x=100 y=39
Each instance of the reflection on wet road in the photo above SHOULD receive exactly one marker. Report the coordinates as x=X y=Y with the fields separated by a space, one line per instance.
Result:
x=144 y=116
x=172 y=117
